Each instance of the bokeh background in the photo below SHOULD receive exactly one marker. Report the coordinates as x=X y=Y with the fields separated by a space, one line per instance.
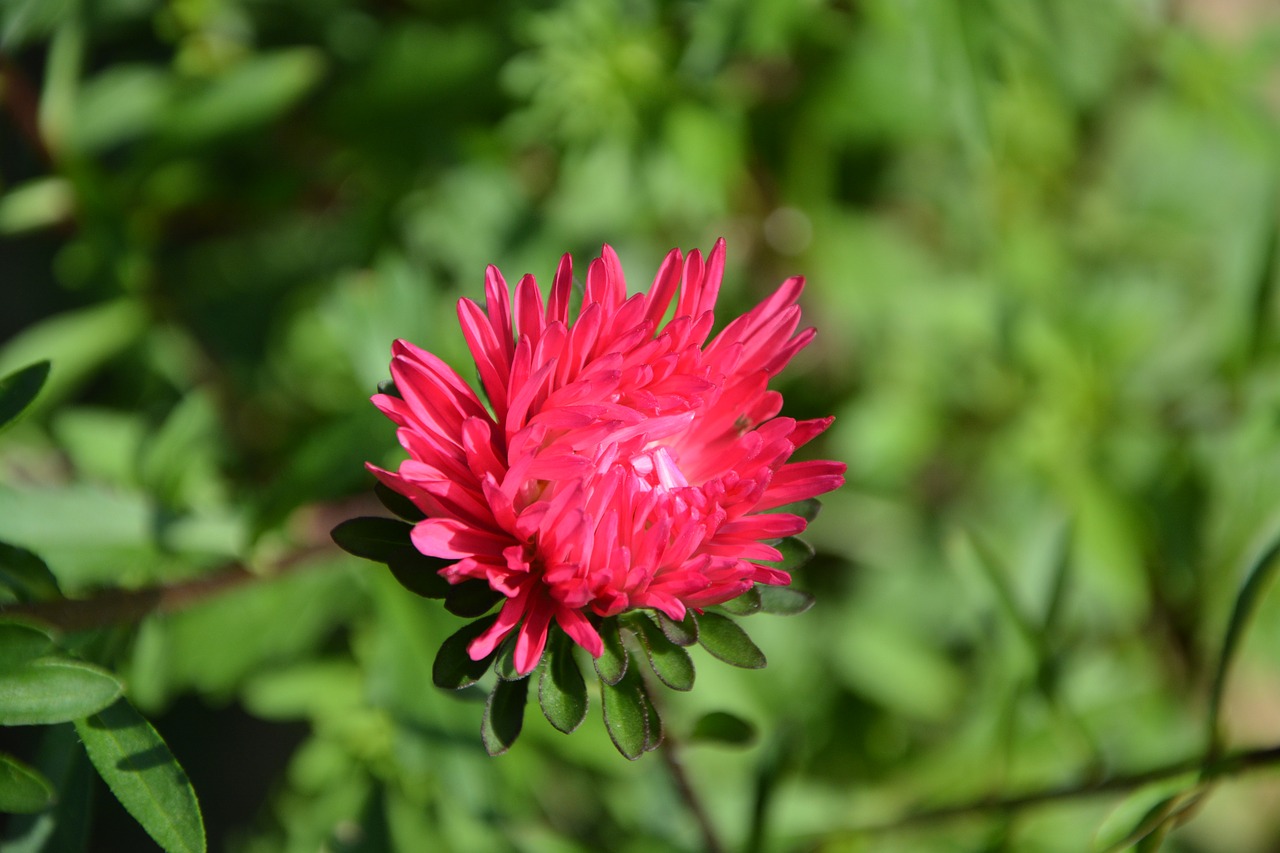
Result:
x=1040 y=238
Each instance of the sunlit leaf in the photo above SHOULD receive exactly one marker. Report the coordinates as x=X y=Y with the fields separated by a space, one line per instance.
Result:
x=625 y=716
x=722 y=637
x=562 y=691
x=54 y=690
x=138 y=767
x=670 y=662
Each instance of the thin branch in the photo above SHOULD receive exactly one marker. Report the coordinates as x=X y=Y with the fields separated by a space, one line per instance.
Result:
x=673 y=759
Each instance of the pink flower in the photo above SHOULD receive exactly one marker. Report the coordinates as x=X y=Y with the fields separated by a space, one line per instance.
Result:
x=623 y=461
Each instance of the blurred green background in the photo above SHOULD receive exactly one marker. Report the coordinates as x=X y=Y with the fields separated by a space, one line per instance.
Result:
x=1040 y=239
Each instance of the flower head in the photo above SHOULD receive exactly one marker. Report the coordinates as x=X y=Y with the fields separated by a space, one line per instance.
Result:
x=622 y=462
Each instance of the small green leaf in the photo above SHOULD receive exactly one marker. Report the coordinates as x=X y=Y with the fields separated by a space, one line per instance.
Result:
x=670 y=662
x=743 y=605
x=26 y=575
x=504 y=715
x=453 y=668
x=20 y=644
x=784 y=600
x=722 y=637
x=397 y=503
x=505 y=664
x=682 y=633
x=419 y=574
x=611 y=666
x=373 y=537
x=723 y=727
x=23 y=790
x=145 y=777
x=562 y=691
x=471 y=598
x=19 y=389
x=795 y=553
x=626 y=716
x=54 y=690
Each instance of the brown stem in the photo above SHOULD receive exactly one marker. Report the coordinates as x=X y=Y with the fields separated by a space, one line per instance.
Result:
x=673 y=759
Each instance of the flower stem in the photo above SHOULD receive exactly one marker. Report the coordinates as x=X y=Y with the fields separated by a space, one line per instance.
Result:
x=673 y=759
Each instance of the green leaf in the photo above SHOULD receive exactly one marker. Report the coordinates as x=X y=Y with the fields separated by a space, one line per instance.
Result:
x=626 y=716
x=420 y=574
x=453 y=668
x=562 y=691
x=504 y=715
x=138 y=767
x=505 y=664
x=743 y=605
x=64 y=827
x=655 y=731
x=611 y=666
x=471 y=598
x=20 y=644
x=682 y=633
x=397 y=503
x=19 y=389
x=795 y=553
x=373 y=537
x=722 y=637
x=26 y=575
x=54 y=690
x=670 y=662
x=784 y=600
x=23 y=790
x=723 y=727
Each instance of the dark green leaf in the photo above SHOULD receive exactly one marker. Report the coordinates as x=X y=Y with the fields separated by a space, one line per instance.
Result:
x=505 y=664
x=723 y=727
x=670 y=662
x=54 y=690
x=145 y=777
x=682 y=633
x=562 y=691
x=611 y=666
x=453 y=668
x=373 y=537
x=654 y=731
x=625 y=716
x=743 y=605
x=795 y=553
x=722 y=637
x=19 y=389
x=784 y=600
x=419 y=574
x=504 y=715
x=26 y=575
x=397 y=503
x=20 y=644
x=806 y=509
x=23 y=790
x=471 y=598
x=65 y=827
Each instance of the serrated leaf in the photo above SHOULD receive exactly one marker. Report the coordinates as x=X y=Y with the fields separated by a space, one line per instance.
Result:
x=453 y=667
x=626 y=716
x=670 y=662
x=723 y=727
x=722 y=637
x=419 y=574
x=562 y=691
x=682 y=633
x=784 y=600
x=54 y=690
x=19 y=389
x=373 y=537
x=611 y=666
x=795 y=553
x=471 y=598
x=26 y=575
x=743 y=605
x=23 y=790
x=138 y=767
x=397 y=503
x=504 y=715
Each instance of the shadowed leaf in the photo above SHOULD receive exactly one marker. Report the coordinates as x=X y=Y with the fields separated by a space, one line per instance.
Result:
x=562 y=691
x=612 y=665
x=504 y=715
x=723 y=727
x=23 y=790
x=373 y=537
x=453 y=667
x=19 y=389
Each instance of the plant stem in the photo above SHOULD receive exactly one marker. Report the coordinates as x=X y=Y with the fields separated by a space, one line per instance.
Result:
x=673 y=759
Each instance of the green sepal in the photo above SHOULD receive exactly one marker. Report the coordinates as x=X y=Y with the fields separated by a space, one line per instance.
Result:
x=471 y=598
x=373 y=537
x=419 y=573
x=784 y=600
x=453 y=668
x=670 y=662
x=723 y=728
x=504 y=664
x=743 y=605
x=397 y=503
x=612 y=664
x=722 y=637
x=626 y=715
x=682 y=633
x=23 y=789
x=19 y=389
x=562 y=691
x=795 y=553
x=504 y=715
